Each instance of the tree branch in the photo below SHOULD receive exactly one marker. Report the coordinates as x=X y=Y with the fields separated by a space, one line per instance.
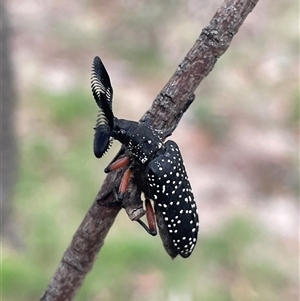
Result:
x=165 y=112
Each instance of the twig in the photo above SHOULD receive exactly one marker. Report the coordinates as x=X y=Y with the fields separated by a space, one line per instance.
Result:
x=165 y=112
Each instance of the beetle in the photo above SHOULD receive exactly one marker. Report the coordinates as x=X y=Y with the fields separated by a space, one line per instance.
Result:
x=154 y=167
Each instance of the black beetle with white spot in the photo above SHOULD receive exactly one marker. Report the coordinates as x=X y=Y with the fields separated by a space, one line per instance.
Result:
x=155 y=167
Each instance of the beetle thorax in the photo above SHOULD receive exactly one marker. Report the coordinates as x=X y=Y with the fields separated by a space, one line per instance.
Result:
x=140 y=139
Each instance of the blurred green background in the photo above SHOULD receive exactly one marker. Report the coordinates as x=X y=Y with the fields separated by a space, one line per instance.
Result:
x=239 y=141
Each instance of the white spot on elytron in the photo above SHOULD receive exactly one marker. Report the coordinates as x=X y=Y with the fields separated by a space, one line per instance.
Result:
x=166 y=219
x=163 y=189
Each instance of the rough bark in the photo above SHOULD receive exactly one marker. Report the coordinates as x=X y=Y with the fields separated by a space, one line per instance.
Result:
x=165 y=112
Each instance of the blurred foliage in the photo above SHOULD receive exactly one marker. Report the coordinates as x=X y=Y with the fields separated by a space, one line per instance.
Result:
x=69 y=109
x=215 y=125
x=232 y=264
x=240 y=259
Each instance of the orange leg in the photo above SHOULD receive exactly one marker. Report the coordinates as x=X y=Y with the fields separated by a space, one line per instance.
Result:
x=151 y=227
x=124 y=183
x=150 y=216
x=117 y=164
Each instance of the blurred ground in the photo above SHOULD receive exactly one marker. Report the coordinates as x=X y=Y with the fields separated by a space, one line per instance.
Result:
x=239 y=140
